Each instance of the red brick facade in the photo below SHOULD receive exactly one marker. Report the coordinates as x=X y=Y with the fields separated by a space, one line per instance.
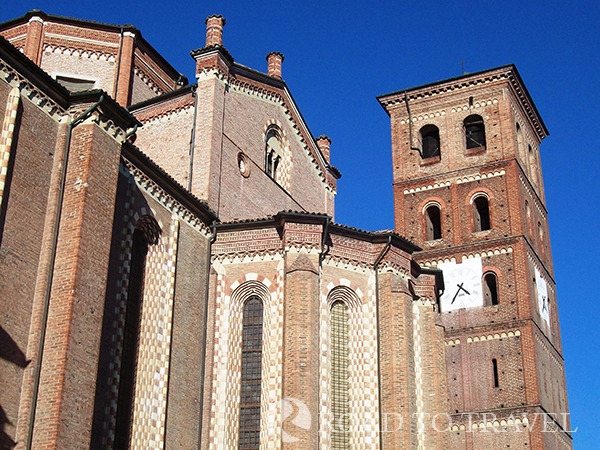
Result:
x=504 y=358
x=102 y=205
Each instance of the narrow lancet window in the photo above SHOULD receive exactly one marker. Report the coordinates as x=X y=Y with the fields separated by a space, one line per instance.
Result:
x=249 y=430
x=340 y=437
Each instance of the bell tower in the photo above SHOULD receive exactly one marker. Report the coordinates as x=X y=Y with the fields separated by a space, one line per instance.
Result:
x=468 y=190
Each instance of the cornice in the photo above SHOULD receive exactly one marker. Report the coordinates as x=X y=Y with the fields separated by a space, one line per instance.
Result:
x=37 y=96
x=468 y=81
x=37 y=85
x=162 y=197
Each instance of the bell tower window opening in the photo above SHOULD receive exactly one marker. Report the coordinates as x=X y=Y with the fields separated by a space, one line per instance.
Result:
x=481 y=212
x=433 y=223
x=251 y=363
x=340 y=437
x=430 y=139
x=490 y=289
x=273 y=153
x=474 y=131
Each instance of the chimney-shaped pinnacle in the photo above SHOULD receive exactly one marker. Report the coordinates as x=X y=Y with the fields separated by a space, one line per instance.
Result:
x=274 y=60
x=214 y=30
x=324 y=144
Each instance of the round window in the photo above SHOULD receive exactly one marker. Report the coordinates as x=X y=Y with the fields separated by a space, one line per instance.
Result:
x=243 y=164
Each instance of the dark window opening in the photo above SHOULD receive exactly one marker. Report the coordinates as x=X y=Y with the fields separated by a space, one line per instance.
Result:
x=433 y=222
x=474 y=131
x=482 y=214
x=249 y=432
x=430 y=138
x=495 y=372
x=131 y=333
x=490 y=289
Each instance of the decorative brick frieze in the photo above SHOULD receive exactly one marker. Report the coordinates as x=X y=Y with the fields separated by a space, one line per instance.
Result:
x=148 y=185
x=142 y=74
x=31 y=92
x=158 y=115
x=74 y=48
x=459 y=180
x=477 y=254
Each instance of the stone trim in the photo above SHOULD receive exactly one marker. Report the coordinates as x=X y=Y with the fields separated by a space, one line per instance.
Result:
x=149 y=186
x=79 y=51
x=483 y=254
x=31 y=92
x=459 y=180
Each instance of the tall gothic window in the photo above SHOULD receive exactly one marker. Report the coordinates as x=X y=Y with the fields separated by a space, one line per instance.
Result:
x=249 y=433
x=131 y=333
x=340 y=436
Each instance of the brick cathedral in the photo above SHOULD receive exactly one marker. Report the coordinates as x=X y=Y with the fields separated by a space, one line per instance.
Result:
x=172 y=275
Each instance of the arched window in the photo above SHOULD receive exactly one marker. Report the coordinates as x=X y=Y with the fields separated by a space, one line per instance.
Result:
x=131 y=333
x=433 y=223
x=474 y=131
x=251 y=362
x=273 y=153
x=340 y=436
x=490 y=289
x=430 y=137
x=481 y=213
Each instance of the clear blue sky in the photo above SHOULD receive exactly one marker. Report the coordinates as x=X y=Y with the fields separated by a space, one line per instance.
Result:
x=339 y=55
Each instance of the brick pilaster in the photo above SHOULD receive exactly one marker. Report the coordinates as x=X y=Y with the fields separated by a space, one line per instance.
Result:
x=123 y=91
x=396 y=362
x=301 y=350
x=65 y=402
x=34 y=40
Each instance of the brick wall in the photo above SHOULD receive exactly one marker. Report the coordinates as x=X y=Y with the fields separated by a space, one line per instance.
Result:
x=22 y=223
x=187 y=373
x=67 y=386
